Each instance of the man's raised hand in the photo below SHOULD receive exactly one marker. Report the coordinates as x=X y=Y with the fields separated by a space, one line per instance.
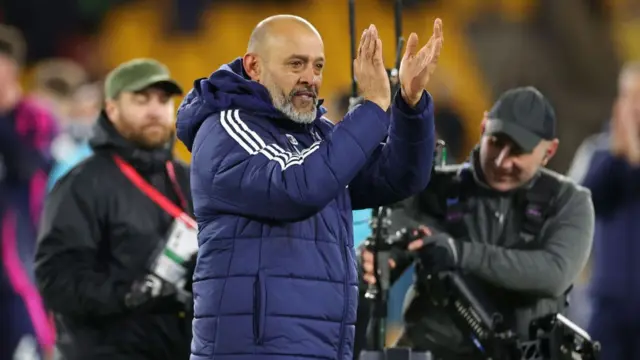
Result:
x=418 y=65
x=369 y=69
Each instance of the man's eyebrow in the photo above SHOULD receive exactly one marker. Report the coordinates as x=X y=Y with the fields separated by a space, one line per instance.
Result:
x=305 y=58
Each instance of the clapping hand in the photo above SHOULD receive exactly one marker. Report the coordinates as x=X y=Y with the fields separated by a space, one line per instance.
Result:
x=417 y=66
x=625 y=135
x=369 y=69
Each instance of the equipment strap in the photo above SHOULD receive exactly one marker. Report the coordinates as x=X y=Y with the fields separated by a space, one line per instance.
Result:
x=156 y=196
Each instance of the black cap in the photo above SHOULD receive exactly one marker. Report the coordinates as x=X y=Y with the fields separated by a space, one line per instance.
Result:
x=524 y=115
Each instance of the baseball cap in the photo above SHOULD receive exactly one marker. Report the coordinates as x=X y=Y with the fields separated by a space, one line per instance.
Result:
x=138 y=74
x=524 y=115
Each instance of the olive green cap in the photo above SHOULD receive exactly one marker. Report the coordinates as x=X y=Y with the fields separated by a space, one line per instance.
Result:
x=137 y=75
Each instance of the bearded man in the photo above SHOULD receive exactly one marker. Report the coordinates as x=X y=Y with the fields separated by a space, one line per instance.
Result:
x=274 y=184
x=107 y=223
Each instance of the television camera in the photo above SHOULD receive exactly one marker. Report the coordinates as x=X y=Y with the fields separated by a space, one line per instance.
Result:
x=553 y=337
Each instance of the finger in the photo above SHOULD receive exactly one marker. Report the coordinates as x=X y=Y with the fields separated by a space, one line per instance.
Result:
x=366 y=43
x=412 y=46
x=374 y=31
x=369 y=279
x=371 y=43
x=368 y=267
x=377 y=56
x=361 y=44
x=425 y=230
x=435 y=52
x=437 y=28
x=356 y=69
x=392 y=263
x=415 y=245
x=367 y=256
x=363 y=37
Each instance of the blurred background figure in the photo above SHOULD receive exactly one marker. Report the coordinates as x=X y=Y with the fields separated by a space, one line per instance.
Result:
x=572 y=50
x=26 y=132
x=72 y=145
x=609 y=165
x=54 y=83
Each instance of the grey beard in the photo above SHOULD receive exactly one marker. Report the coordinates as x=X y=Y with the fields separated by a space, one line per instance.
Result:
x=296 y=116
x=283 y=103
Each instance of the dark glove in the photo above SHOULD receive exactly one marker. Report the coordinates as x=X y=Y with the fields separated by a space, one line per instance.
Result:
x=150 y=292
x=440 y=252
x=147 y=290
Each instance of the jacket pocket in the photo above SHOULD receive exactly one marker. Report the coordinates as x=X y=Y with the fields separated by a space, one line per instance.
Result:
x=259 y=307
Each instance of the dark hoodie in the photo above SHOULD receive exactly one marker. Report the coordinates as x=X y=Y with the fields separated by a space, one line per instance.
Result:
x=96 y=239
x=276 y=272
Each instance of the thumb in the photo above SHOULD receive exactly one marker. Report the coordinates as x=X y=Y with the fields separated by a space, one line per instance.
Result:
x=415 y=245
x=412 y=45
x=356 y=69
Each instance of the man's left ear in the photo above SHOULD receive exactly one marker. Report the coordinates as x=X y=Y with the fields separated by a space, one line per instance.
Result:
x=483 y=122
x=551 y=151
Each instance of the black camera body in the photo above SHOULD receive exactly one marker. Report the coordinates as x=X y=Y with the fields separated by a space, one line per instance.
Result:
x=553 y=337
x=556 y=337
x=474 y=314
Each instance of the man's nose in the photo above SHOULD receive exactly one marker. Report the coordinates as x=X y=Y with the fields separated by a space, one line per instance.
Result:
x=503 y=160
x=309 y=76
x=156 y=109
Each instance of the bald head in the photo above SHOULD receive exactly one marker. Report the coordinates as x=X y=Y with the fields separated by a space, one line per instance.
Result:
x=286 y=55
x=279 y=27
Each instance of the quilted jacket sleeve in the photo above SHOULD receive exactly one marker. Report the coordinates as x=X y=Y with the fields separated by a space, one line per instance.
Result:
x=402 y=166
x=240 y=169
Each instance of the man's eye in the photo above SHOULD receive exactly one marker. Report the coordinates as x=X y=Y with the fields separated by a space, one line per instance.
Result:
x=141 y=99
x=296 y=64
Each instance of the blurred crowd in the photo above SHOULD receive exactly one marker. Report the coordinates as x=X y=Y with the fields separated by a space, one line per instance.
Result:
x=51 y=94
x=44 y=129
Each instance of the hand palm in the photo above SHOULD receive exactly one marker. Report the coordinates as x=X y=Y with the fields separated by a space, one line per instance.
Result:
x=418 y=65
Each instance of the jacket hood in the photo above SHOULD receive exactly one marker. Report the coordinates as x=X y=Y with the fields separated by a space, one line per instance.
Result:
x=228 y=87
x=107 y=139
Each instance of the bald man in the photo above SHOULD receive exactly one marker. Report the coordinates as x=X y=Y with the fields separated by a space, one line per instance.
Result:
x=274 y=184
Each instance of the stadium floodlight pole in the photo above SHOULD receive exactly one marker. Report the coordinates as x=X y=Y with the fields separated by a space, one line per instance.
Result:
x=352 y=34
x=394 y=72
x=380 y=216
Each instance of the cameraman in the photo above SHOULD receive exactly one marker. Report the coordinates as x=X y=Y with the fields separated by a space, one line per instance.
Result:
x=107 y=221
x=522 y=232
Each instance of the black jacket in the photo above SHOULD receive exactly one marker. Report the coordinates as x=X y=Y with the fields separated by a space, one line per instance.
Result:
x=96 y=238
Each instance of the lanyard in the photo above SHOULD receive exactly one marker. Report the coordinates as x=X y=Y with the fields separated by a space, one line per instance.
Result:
x=155 y=195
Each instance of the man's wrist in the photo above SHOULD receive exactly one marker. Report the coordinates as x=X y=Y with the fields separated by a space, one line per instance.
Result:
x=411 y=101
x=382 y=103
